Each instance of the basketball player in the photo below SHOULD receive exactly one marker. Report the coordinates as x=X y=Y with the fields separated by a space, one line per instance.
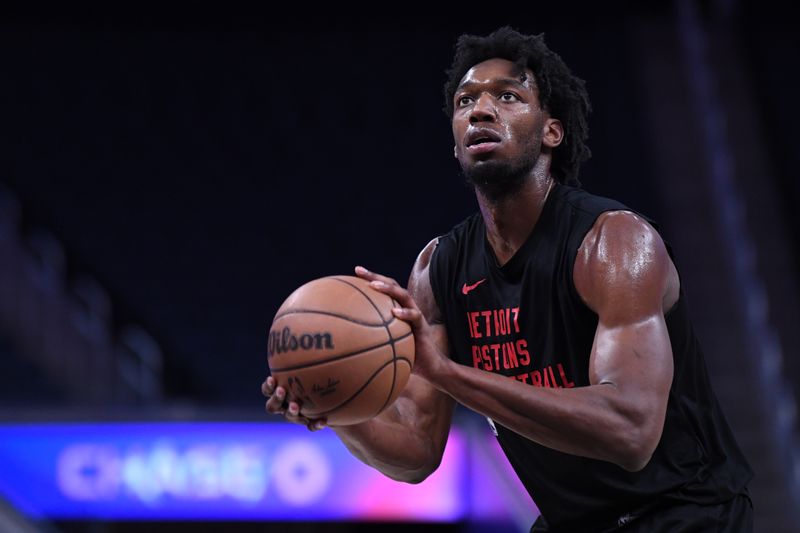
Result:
x=559 y=316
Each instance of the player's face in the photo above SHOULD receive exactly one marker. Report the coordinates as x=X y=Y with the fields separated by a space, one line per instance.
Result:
x=497 y=120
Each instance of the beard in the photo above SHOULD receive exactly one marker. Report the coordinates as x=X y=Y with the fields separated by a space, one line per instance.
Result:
x=498 y=179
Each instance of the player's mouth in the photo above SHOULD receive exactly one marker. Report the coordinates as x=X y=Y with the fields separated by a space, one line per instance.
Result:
x=481 y=141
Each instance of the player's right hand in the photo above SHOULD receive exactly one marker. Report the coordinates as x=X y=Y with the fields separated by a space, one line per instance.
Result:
x=279 y=404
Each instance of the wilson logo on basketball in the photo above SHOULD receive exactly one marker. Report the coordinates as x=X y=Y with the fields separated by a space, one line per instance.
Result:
x=285 y=341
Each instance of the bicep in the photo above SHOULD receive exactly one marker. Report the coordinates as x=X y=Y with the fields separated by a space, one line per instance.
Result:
x=636 y=359
x=623 y=273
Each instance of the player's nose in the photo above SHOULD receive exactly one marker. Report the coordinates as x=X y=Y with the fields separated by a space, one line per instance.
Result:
x=484 y=109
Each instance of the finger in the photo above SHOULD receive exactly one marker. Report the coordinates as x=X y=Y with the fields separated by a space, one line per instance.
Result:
x=275 y=403
x=278 y=404
x=395 y=291
x=293 y=411
x=372 y=276
x=412 y=316
x=293 y=415
x=268 y=387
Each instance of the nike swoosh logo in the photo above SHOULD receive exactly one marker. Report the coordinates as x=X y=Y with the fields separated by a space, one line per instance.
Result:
x=467 y=288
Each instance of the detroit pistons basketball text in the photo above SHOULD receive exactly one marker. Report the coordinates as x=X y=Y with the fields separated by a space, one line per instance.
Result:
x=503 y=355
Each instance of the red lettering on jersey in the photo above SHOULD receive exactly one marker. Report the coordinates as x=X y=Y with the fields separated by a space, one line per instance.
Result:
x=476 y=357
x=496 y=349
x=512 y=354
x=546 y=375
x=473 y=324
x=500 y=324
x=553 y=377
x=488 y=316
x=492 y=322
x=522 y=377
x=487 y=361
x=522 y=351
x=567 y=383
x=536 y=378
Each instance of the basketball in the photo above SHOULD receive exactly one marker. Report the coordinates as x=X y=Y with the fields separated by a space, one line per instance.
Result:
x=338 y=350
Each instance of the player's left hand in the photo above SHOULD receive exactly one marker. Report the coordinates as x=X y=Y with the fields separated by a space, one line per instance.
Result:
x=279 y=403
x=429 y=360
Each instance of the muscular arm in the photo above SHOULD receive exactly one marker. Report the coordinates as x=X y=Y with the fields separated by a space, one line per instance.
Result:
x=407 y=440
x=624 y=274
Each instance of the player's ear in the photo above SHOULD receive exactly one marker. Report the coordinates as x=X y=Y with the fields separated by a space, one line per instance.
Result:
x=553 y=132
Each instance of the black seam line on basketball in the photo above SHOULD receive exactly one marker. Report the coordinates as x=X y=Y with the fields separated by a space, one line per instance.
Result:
x=365 y=295
x=388 y=332
x=364 y=386
x=330 y=313
x=338 y=357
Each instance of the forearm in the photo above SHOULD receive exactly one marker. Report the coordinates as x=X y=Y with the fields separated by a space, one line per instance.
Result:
x=394 y=444
x=587 y=421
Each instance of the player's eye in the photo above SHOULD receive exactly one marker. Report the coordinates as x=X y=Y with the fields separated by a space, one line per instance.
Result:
x=509 y=97
x=464 y=100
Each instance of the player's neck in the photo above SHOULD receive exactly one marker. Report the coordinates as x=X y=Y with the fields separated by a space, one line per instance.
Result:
x=510 y=219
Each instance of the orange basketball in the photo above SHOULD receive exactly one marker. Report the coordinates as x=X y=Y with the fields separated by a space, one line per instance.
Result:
x=338 y=350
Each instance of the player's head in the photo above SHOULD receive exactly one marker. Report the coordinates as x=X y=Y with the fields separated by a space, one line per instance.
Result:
x=560 y=94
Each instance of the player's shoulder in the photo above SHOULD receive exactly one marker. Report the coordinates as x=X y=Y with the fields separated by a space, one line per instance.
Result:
x=621 y=246
x=623 y=222
x=623 y=229
x=420 y=284
x=624 y=259
x=607 y=221
x=423 y=260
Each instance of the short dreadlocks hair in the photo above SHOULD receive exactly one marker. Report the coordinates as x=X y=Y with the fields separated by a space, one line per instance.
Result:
x=561 y=93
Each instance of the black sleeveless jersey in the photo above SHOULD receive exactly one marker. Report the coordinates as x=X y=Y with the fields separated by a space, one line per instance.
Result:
x=526 y=321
